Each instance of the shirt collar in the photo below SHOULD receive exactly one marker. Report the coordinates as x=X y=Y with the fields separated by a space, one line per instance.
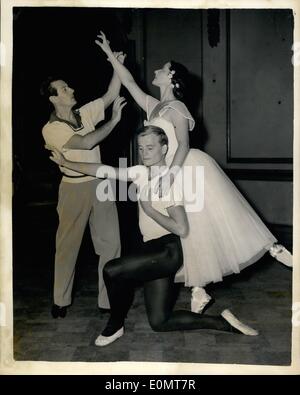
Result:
x=55 y=118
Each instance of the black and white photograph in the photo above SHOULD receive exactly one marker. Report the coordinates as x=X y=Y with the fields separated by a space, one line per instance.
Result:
x=152 y=197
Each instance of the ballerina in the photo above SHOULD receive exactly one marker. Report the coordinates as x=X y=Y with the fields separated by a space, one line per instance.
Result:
x=226 y=235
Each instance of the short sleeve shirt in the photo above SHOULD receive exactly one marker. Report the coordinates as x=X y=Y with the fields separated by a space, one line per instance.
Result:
x=57 y=133
x=149 y=228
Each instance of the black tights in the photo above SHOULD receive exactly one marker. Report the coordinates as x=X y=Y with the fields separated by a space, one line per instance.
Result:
x=155 y=266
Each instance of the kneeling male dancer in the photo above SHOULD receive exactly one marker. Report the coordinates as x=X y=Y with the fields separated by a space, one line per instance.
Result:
x=162 y=223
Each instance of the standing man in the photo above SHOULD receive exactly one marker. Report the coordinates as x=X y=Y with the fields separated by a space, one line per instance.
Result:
x=73 y=132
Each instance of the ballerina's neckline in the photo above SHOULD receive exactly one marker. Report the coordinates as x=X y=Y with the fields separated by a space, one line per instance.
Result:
x=158 y=113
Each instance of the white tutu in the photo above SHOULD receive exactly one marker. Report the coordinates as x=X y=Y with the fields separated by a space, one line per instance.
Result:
x=226 y=235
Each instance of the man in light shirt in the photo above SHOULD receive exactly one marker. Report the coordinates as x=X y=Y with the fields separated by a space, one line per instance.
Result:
x=73 y=132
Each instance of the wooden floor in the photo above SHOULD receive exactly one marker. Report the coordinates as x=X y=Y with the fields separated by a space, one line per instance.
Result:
x=260 y=296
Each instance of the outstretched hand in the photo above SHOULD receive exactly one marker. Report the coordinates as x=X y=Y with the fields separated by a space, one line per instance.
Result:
x=118 y=106
x=56 y=156
x=103 y=43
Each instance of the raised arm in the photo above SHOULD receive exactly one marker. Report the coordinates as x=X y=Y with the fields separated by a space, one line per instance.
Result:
x=91 y=139
x=123 y=73
x=115 y=84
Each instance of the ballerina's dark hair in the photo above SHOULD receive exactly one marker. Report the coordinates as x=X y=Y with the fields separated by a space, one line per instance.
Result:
x=179 y=79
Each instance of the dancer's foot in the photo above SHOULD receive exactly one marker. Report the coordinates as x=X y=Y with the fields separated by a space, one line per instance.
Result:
x=237 y=324
x=102 y=340
x=199 y=300
x=58 y=311
x=103 y=310
x=281 y=254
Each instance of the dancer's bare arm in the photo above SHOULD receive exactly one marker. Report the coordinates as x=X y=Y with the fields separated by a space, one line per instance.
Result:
x=91 y=139
x=182 y=135
x=124 y=74
x=92 y=169
x=176 y=221
x=113 y=90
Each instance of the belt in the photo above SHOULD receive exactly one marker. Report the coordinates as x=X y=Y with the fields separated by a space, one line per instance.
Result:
x=83 y=175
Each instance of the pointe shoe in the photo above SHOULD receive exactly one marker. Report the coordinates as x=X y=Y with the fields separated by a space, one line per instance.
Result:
x=281 y=254
x=237 y=324
x=200 y=300
x=102 y=341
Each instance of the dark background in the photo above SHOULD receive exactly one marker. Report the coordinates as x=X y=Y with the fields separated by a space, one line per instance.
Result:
x=236 y=58
x=60 y=42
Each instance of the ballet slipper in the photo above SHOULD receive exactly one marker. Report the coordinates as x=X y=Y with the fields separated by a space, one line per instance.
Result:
x=199 y=300
x=281 y=254
x=102 y=341
x=237 y=324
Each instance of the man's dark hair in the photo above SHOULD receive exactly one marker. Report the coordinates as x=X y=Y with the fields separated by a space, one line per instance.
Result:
x=46 y=90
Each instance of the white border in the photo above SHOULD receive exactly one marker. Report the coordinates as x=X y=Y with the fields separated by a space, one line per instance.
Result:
x=7 y=364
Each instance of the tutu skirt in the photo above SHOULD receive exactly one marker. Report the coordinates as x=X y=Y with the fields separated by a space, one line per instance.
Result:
x=226 y=235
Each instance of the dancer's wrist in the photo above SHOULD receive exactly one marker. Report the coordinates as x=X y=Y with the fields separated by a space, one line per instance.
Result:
x=149 y=210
